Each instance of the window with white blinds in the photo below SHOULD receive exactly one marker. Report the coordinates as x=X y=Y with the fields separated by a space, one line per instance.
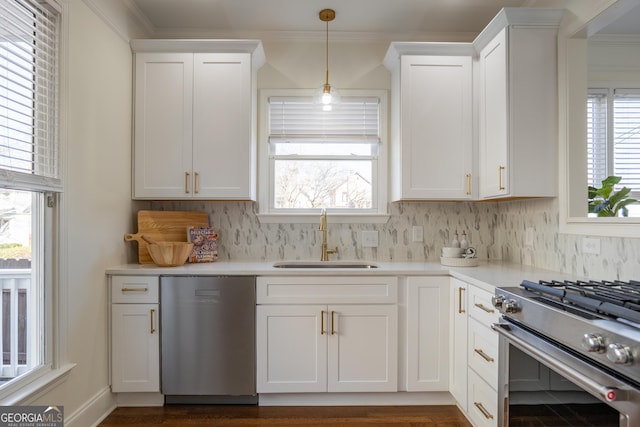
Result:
x=29 y=94
x=596 y=136
x=29 y=179
x=613 y=137
x=626 y=137
x=323 y=159
x=299 y=119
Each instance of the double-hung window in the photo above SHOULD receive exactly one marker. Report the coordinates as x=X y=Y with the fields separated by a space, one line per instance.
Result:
x=613 y=138
x=29 y=182
x=325 y=159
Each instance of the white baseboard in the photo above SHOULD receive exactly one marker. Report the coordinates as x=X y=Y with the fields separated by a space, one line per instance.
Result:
x=93 y=411
x=139 y=399
x=358 y=399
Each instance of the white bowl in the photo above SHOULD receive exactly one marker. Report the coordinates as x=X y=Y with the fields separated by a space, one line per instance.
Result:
x=452 y=252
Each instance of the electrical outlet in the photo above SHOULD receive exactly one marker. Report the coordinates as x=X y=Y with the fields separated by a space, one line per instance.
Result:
x=418 y=233
x=528 y=236
x=370 y=239
x=590 y=246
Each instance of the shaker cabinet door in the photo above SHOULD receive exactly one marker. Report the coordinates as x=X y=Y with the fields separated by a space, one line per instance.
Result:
x=135 y=348
x=428 y=333
x=435 y=147
x=363 y=349
x=223 y=158
x=162 y=125
x=291 y=348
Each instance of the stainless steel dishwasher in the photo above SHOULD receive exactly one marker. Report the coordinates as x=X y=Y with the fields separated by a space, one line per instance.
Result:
x=208 y=339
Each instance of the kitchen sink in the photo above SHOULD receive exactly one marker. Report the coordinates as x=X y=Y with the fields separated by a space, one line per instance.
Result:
x=324 y=264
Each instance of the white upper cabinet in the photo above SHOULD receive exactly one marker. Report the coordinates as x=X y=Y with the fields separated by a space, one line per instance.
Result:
x=432 y=124
x=195 y=119
x=477 y=120
x=517 y=101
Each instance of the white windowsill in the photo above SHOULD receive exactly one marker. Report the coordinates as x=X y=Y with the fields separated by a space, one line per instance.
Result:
x=332 y=218
x=21 y=394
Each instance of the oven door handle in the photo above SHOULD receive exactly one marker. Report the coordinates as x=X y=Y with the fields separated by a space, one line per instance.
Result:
x=608 y=394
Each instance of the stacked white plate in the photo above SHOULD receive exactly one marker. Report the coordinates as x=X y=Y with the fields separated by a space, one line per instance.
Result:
x=455 y=257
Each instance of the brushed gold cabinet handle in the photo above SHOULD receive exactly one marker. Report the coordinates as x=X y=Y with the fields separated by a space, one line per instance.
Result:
x=485 y=309
x=481 y=408
x=186 y=182
x=460 y=309
x=196 y=182
x=333 y=322
x=468 y=184
x=152 y=314
x=134 y=289
x=500 y=170
x=483 y=355
x=322 y=322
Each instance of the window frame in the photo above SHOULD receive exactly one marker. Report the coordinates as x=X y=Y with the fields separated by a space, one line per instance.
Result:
x=54 y=367
x=267 y=214
x=607 y=90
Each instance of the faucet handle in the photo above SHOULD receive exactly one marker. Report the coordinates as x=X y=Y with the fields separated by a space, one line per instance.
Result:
x=332 y=251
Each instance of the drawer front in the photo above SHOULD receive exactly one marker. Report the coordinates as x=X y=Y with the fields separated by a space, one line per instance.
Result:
x=134 y=289
x=480 y=306
x=483 y=352
x=327 y=290
x=483 y=402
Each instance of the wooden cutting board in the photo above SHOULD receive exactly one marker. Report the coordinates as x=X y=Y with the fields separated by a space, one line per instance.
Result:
x=169 y=226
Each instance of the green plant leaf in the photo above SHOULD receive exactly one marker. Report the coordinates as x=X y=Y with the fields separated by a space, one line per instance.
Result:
x=610 y=181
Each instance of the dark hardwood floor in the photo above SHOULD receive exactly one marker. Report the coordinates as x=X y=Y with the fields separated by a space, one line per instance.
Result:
x=244 y=416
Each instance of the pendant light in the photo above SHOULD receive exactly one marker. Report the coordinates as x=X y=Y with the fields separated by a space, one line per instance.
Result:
x=327 y=96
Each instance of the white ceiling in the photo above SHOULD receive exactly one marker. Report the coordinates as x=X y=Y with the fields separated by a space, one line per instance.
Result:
x=454 y=20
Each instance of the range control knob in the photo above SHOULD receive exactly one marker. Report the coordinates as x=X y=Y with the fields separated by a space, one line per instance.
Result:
x=619 y=354
x=510 y=306
x=593 y=343
x=497 y=301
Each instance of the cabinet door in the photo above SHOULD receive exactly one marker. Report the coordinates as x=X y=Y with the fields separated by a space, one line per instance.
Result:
x=363 y=348
x=135 y=348
x=458 y=344
x=223 y=147
x=291 y=348
x=428 y=333
x=436 y=127
x=163 y=125
x=494 y=118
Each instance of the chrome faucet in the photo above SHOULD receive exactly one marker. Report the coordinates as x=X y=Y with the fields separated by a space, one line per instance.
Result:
x=323 y=228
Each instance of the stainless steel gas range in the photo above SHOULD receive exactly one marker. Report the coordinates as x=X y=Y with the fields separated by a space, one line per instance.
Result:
x=569 y=353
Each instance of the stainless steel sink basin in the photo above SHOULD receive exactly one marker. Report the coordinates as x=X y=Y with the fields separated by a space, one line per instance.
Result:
x=324 y=264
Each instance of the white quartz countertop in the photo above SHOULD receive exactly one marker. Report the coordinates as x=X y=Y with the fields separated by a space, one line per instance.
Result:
x=486 y=275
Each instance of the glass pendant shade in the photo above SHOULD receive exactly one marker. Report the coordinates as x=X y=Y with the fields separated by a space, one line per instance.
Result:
x=326 y=96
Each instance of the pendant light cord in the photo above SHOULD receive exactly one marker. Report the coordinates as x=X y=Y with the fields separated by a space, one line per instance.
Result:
x=327 y=54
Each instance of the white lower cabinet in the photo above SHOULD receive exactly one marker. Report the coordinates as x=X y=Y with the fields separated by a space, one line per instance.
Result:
x=135 y=334
x=428 y=333
x=474 y=347
x=458 y=342
x=317 y=346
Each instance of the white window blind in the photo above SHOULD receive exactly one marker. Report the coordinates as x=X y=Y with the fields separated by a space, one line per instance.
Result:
x=626 y=136
x=29 y=95
x=298 y=119
x=597 y=136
